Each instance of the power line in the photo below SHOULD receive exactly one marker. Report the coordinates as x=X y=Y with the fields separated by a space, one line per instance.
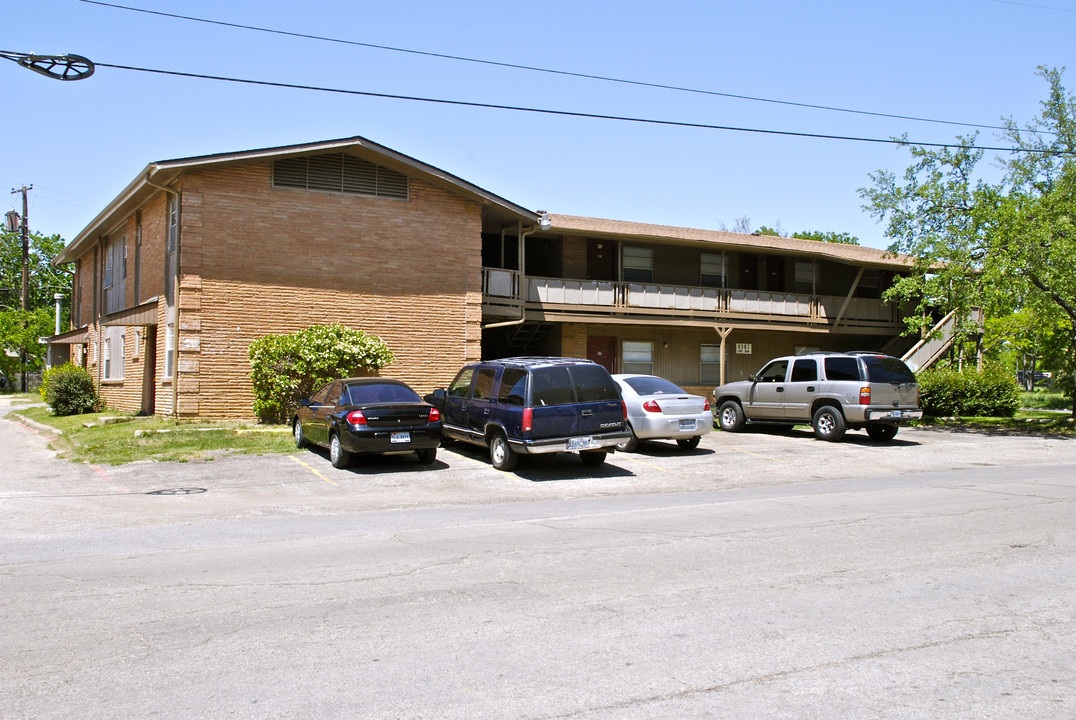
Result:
x=532 y=68
x=564 y=113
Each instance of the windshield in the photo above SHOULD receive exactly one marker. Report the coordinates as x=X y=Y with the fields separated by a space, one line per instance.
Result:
x=652 y=386
x=887 y=370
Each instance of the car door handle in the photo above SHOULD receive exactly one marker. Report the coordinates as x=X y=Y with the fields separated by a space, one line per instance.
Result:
x=810 y=388
x=780 y=389
x=587 y=413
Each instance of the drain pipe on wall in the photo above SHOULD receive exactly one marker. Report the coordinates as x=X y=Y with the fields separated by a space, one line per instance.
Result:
x=175 y=287
x=523 y=234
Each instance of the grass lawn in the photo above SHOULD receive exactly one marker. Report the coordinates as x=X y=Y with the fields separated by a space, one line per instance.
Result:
x=113 y=438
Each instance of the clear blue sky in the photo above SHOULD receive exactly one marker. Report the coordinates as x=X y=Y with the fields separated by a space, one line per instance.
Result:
x=973 y=61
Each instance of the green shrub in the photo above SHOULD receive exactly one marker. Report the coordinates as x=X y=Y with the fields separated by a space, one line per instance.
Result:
x=945 y=392
x=69 y=390
x=287 y=368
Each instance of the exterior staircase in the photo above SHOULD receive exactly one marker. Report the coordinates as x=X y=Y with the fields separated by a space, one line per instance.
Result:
x=937 y=341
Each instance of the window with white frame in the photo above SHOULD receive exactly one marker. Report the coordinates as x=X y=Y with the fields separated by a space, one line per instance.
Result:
x=112 y=353
x=712 y=270
x=710 y=364
x=169 y=348
x=638 y=264
x=637 y=357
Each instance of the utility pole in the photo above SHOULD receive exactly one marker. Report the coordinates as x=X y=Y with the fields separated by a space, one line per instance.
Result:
x=25 y=264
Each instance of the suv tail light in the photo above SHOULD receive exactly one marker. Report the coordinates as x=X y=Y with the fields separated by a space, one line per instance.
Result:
x=435 y=415
x=865 y=395
x=624 y=410
x=651 y=406
x=528 y=419
x=355 y=417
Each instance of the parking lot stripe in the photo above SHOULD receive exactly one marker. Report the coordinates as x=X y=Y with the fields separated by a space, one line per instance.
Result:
x=649 y=465
x=313 y=470
x=764 y=457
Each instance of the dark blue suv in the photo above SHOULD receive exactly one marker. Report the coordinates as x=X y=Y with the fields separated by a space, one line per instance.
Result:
x=533 y=405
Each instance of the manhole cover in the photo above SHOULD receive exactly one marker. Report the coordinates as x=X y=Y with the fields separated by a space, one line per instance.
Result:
x=177 y=491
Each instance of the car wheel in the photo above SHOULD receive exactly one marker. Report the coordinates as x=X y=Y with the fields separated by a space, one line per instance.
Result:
x=630 y=444
x=501 y=453
x=730 y=416
x=828 y=423
x=592 y=458
x=689 y=443
x=340 y=457
x=427 y=455
x=883 y=433
x=297 y=430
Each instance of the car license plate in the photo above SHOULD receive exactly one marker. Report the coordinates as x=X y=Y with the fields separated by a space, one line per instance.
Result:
x=687 y=424
x=400 y=437
x=581 y=443
x=896 y=414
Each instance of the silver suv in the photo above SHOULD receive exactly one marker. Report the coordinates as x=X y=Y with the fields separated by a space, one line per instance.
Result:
x=833 y=392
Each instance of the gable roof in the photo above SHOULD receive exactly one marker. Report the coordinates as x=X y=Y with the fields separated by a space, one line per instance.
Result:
x=628 y=231
x=148 y=182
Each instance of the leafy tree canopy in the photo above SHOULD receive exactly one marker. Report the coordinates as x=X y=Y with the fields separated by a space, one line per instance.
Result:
x=45 y=278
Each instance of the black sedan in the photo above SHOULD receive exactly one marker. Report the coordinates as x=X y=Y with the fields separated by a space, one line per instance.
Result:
x=368 y=415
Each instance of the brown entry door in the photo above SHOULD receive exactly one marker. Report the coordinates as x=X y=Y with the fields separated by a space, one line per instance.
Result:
x=602 y=350
x=601 y=260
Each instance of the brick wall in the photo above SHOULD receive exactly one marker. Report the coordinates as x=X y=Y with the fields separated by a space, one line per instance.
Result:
x=255 y=260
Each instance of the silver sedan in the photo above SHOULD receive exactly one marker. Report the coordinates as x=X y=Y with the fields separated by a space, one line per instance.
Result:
x=661 y=410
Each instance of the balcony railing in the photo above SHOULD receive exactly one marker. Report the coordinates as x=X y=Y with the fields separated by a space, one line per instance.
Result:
x=502 y=287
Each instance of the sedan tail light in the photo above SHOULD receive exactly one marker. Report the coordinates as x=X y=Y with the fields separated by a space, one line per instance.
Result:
x=435 y=415
x=355 y=417
x=651 y=406
x=706 y=405
x=865 y=395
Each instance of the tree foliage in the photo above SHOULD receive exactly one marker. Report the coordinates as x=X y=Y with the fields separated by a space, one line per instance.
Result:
x=842 y=238
x=1004 y=245
x=19 y=333
x=45 y=279
x=287 y=368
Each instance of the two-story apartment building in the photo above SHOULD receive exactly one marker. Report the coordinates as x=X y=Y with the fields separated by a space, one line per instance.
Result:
x=197 y=257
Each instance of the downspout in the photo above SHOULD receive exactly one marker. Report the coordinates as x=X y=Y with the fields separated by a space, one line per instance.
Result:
x=175 y=291
x=523 y=234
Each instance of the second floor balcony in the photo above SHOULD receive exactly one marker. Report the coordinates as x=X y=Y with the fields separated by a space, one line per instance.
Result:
x=506 y=293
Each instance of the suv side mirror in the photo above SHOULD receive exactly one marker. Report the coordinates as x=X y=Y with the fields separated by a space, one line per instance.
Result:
x=752 y=377
x=437 y=397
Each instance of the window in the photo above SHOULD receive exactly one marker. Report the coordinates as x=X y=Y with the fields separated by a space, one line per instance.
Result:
x=483 y=384
x=108 y=266
x=123 y=257
x=806 y=276
x=775 y=372
x=513 y=390
x=112 y=353
x=805 y=370
x=638 y=264
x=461 y=386
x=169 y=348
x=842 y=368
x=712 y=270
x=593 y=384
x=638 y=357
x=170 y=252
x=552 y=386
x=339 y=172
x=710 y=362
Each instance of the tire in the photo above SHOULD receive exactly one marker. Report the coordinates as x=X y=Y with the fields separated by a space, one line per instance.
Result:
x=593 y=458
x=501 y=453
x=689 y=443
x=881 y=432
x=828 y=423
x=730 y=416
x=297 y=433
x=426 y=456
x=630 y=444
x=340 y=457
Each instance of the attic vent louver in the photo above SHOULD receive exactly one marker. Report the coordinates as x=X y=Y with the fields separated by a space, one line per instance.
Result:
x=339 y=172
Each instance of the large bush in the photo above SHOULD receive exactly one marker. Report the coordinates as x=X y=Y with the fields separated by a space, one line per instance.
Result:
x=287 y=368
x=946 y=392
x=69 y=390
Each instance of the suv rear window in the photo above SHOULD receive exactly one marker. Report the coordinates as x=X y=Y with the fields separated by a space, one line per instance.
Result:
x=551 y=386
x=842 y=368
x=887 y=370
x=594 y=384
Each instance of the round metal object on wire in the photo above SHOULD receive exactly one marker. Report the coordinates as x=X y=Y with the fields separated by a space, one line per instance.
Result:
x=57 y=67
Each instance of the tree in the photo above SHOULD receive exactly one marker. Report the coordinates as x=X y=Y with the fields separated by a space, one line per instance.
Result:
x=20 y=329
x=1003 y=246
x=842 y=238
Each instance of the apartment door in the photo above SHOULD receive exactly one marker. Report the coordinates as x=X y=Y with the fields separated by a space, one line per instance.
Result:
x=601 y=259
x=149 y=371
x=602 y=350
